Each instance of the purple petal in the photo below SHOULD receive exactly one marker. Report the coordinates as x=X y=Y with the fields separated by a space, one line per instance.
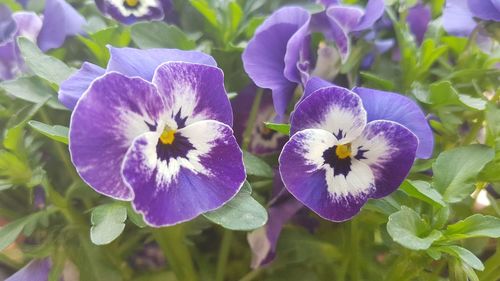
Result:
x=36 y=270
x=107 y=118
x=381 y=105
x=333 y=31
x=8 y=26
x=199 y=171
x=485 y=9
x=333 y=194
x=10 y=61
x=264 y=58
x=389 y=150
x=314 y=84
x=135 y=62
x=457 y=18
x=418 y=19
x=373 y=11
x=193 y=92
x=334 y=109
x=74 y=87
x=29 y=25
x=60 y=20
x=347 y=17
x=263 y=241
x=297 y=48
x=145 y=10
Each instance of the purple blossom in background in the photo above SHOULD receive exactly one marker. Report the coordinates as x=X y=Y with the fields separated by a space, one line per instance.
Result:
x=166 y=145
x=459 y=15
x=59 y=21
x=130 y=11
x=418 y=19
x=36 y=270
x=335 y=161
x=263 y=140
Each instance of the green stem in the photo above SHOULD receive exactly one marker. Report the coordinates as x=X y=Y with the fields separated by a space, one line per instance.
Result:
x=251 y=275
x=62 y=205
x=225 y=249
x=247 y=135
x=355 y=271
x=171 y=241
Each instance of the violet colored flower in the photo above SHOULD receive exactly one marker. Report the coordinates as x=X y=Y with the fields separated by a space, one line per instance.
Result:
x=130 y=11
x=60 y=20
x=418 y=19
x=335 y=161
x=459 y=15
x=166 y=145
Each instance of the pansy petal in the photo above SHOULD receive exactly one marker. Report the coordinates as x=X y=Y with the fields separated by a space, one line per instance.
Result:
x=332 y=193
x=143 y=63
x=418 y=19
x=199 y=171
x=264 y=240
x=10 y=61
x=60 y=20
x=333 y=31
x=36 y=270
x=457 y=18
x=264 y=57
x=381 y=105
x=373 y=11
x=389 y=149
x=334 y=109
x=29 y=24
x=297 y=48
x=193 y=92
x=74 y=87
x=107 y=118
x=8 y=26
x=314 y=84
x=129 y=12
x=347 y=17
x=485 y=10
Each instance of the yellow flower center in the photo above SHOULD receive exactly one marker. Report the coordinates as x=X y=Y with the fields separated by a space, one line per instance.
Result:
x=343 y=151
x=168 y=136
x=132 y=3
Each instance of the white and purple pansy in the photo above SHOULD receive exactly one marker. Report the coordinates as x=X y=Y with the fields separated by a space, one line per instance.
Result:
x=130 y=11
x=166 y=145
x=336 y=160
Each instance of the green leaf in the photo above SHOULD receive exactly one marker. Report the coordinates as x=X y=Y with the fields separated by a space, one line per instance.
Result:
x=280 y=128
x=235 y=16
x=45 y=66
x=410 y=231
x=474 y=226
x=56 y=132
x=240 y=213
x=373 y=80
x=443 y=93
x=108 y=222
x=160 y=35
x=204 y=7
x=464 y=255
x=9 y=232
x=455 y=170
x=256 y=166
x=31 y=89
x=135 y=218
x=422 y=190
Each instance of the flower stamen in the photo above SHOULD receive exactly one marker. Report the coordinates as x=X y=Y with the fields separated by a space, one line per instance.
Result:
x=132 y=3
x=168 y=136
x=343 y=151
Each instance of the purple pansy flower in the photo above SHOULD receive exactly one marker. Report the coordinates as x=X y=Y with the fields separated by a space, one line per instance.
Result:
x=167 y=145
x=278 y=56
x=418 y=19
x=130 y=11
x=336 y=160
x=60 y=20
x=458 y=15
x=263 y=140
x=39 y=270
